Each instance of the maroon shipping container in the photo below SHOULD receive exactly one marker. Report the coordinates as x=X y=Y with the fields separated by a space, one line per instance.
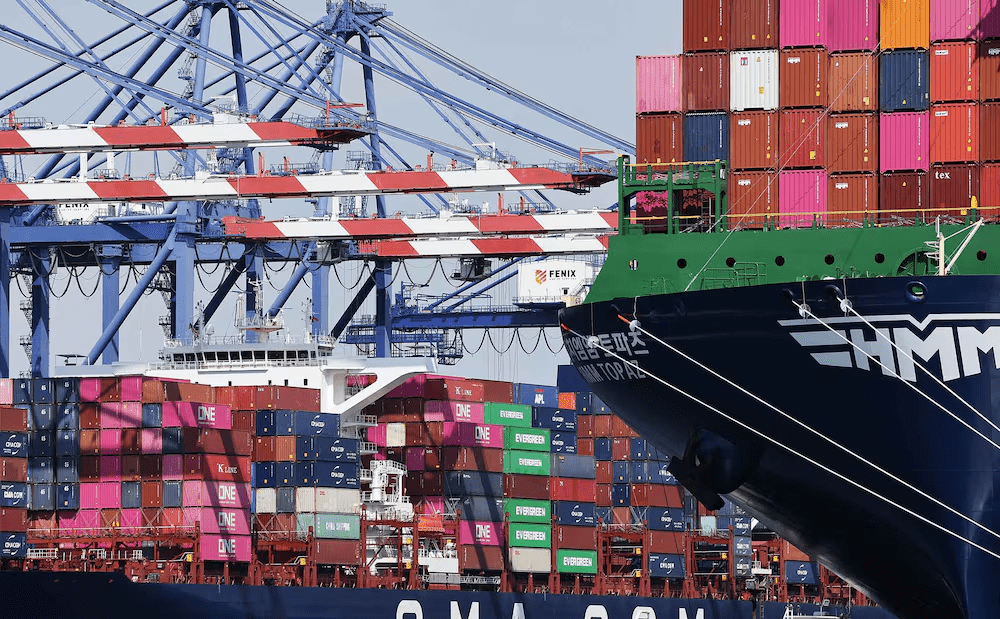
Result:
x=42 y=521
x=754 y=24
x=570 y=489
x=621 y=515
x=453 y=389
x=753 y=196
x=603 y=472
x=425 y=434
x=989 y=70
x=337 y=551
x=432 y=459
x=668 y=542
x=150 y=467
x=620 y=428
x=575 y=538
x=526 y=487
x=989 y=185
x=853 y=82
x=952 y=189
x=212 y=441
x=152 y=494
x=706 y=25
x=276 y=397
x=585 y=446
x=477 y=558
x=188 y=392
x=110 y=390
x=852 y=198
x=90 y=469
x=244 y=420
x=13 y=519
x=658 y=139
x=803 y=138
x=131 y=468
x=620 y=449
x=602 y=495
x=13 y=419
x=989 y=132
x=90 y=416
x=499 y=390
x=265 y=449
x=657 y=495
x=484 y=459
x=152 y=391
x=954 y=133
x=285 y=448
x=753 y=140
x=803 y=78
x=423 y=483
x=215 y=467
x=852 y=143
x=131 y=441
x=954 y=71
x=415 y=407
x=90 y=442
x=13 y=469
x=706 y=82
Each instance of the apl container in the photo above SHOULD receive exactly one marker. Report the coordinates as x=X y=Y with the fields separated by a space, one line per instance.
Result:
x=904 y=80
x=904 y=24
x=954 y=68
x=754 y=24
x=802 y=196
x=852 y=199
x=706 y=82
x=658 y=81
x=853 y=85
x=954 y=133
x=753 y=76
x=754 y=140
x=706 y=137
x=804 y=78
x=852 y=143
x=953 y=19
x=706 y=25
x=804 y=23
x=904 y=141
x=853 y=25
x=803 y=138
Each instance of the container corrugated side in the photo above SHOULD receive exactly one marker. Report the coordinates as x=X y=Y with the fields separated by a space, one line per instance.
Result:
x=852 y=199
x=535 y=560
x=989 y=185
x=528 y=510
x=706 y=137
x=904 y=141
x=524 y=535
x=952 y=189
x=852 y=143
x=989 y=132
x=856 y=33
x=706 y=25
x=853 y=82
x=658 y=81
x=989 y=19
x=706 y=81
x=904 y=24
x=989 y=70
x=952 y=20
x=753 y=197
x=576 y=561
x=804 y=23
x=753 y=140
x=754 y=24
x=753 y=80
x=802 y=198
x=954 y=133
x=804 y=78
x=803 y=138
x=954 y=69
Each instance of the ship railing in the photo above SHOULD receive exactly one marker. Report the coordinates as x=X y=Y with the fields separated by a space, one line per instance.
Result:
x=43 y=553
x=237 y=364
x=492 y=581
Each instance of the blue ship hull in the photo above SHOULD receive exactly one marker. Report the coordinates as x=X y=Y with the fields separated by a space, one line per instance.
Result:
x=829 y=491
x=48 y=595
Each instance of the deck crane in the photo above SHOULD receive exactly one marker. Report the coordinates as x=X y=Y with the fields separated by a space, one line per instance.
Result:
x=294 y=70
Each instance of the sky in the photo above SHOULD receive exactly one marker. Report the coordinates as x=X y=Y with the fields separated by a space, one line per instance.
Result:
x=578 y=56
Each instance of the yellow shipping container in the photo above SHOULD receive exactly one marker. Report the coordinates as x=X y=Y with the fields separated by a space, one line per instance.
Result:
x=904 y=24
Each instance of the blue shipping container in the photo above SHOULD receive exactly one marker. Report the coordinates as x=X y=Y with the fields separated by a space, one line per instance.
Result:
x=67 y=443
x=173 y=440
x=284 y=422
x=329 y=449
x=904 y=80
x=334 y=474
x=740 y=524
x=68 y=496
x=602 y=449
x=799 y=572
x=743 y=546
x=535 y=395
x=568 y=378
x=263 y=474
x=15 y=494
x=621 y=472
x=131 y=494
x=67 y=469
x=563 y=443
x=285 y=498
x=657 y=455
x=42 y=417
x=305 y=423
x=553 y=418
x=604 y=514
x=41 y=471
x=659 y=474
x=152 y=415
x=68 y=416
x=22 y=391
x=638 y=449
x=14 y=445
x=173 y=493
x=43 y=497
x=742 y=566
x=285 y=473
x=265 y=423
x=640 y=472
x=473 y=483
x=41 y=390
x=66 y=389
x=666 y=566
x=706 y=137
x=481 y=508
x=665 y=518
x=621 y=495
x=41 y=444
x=15 y=545
x=574 y=466
x=570 y=513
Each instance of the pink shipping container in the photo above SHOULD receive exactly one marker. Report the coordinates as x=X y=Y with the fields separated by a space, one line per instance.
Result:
x=904 y=140
x=432 y=505
x=473 y=435
x=131 y=414
x=854 y=34
x=658 y=81
x=90 y=389
x=220 y=521
x=225 y=548
x=152 y=440
x=6 y=391
x=131 y=388
x=222 y=494
x=441 y=410
x=80 y=522
x=377 y=435
x=111 y=441
x=415 y=458
x=953 y=20
x=101 y=496
x=130 y=522
x=479 y=533
x=803 y=23
x=111 y=414
x=414 y=387
x=801 y=198
x=173 y=467
x=196 y=415
x=989 y=19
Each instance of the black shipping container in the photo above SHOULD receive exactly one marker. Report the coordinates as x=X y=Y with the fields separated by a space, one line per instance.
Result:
x=473 y=483
x=41 y=471
x=67 y=469
x=265 y=423
x=41 y=444
x=68 y=496
x=285 y=500
x=481 y=508
x=131 y=495
x=173 y=440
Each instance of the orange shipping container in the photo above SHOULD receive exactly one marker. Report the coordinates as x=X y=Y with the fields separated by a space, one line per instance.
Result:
x=905 y=24
x=753 y=140
x=803 y=78
x=706 y=82
x=989 y=70
x=853 y=85
x=989 y=132
x=752 y=197
x=754 y=24
x=802 y=138
x=706 y=25
x=954 y=133
x=658 y=138
x=285 y=448
x=852 y=198
x=791 y=553
x=954 y=71
x=621 y=515
x=566 y=399
x=852 y=143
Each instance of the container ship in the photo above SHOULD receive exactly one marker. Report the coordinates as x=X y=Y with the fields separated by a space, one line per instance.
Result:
x=803 y=317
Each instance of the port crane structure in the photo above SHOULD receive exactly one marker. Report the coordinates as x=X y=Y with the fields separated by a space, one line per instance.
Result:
x=278 y=79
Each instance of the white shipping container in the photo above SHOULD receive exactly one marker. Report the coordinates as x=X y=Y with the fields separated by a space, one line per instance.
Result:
x=395 y=435
x=305 y=500
x=753 y=80
x=531 y=560
x=267 y=501
x=337 y=500
x=550 y=281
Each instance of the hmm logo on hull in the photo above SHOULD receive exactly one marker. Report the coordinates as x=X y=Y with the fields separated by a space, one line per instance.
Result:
x=952 y=346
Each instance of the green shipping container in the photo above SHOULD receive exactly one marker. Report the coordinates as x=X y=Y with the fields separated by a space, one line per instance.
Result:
x=527 y=462
x=528 y=510
x=502 y=414
x=524 y=535
x=529 y=439
x=576 y=561
x=331 y=526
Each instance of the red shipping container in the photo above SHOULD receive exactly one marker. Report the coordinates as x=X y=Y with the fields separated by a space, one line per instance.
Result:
x=803 y=78
x=657 y=495
x=285 y=447
x=424 y=434
x=602 y=425
x=852 y=198
x=476 y=558
x=498 y=391
x=188 y=392
x=422 y=483
x=42 y=523
x=277 y=397
x=902 y=195
x=90 y=417
x=576 y=538
x=753 y=140
x=265 y=449
x=152 y=391
x=90 y=469
x=150 y=467
x=585 y=426
x=214 y=467
x=526 y=487
x=235 y=442
x=753 y=196
x=130 y=468
x=954 y=71
x=454 y=389
x=952 y=189
x=706 y=25
x=13 y=469
x=658 y=139
x=337 y=551
x=13 y=419
x=110 y=390
x=90 y=442
x=954 y=133
x=754 y=24
x=244 y=420
x=472 y=459
x=853 y=82
x=603 y=472
x=803 y=138
x=620 y=448
x=602 y=495
x=791 y=553
x=619 y=427
x=131 y=441
x=585 y=446
x=989 y=185
x=989 y=132
x=852 y=143
x=152 y=494
x=13 y=519
x=668 y=542
x=989 y=70
x=621 y=515
x=570 y=489
x=706 y=82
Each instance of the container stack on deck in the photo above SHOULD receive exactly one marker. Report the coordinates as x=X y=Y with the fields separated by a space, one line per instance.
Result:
x=832 y=110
